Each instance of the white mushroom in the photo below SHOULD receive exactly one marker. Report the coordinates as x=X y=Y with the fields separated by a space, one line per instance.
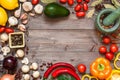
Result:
x=27 y=6
x=4 y=37
x=26 y=77
x=34 y=66
x=5 y=50
x=1 y=57
x=38 y=9
x=22 y=0
x=18 y=12
x=25 y=60
x=36 y=74
x=20 y=53
x=12 y=21
x=25 y=69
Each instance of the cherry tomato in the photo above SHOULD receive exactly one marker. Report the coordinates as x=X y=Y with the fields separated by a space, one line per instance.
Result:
x=34 y=2
x=63 y=1
x=113 y=48
x=70 y=2
x=109 y=56
x=2 y=29
x=102 y=50
x=106 y=40
x=81 y=68
x=77 y=7
x=87 y=1
x=79 y=1
x=85 y=6
x=9 y=30
x=80 y=14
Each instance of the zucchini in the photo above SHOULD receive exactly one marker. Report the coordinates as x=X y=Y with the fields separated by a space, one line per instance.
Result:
x=112 y=17
x=99 y=26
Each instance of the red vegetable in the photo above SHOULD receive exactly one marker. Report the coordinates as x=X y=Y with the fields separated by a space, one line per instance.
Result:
x=87 y=1
x=9 y=30
x=80 y=14
x=34 y=2
x=79 y=1
x=2 y=29
x=56 y=65
x=85 y=6
x=113 y=48
x=102 y=50
x=63 y=1
x=81 y=68
x=77 y=7
x=109 y=56
x=70 y=2
x=60 y=71
x=106 y=40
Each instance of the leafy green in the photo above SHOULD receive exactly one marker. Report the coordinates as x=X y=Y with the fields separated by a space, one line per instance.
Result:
x=65 y=77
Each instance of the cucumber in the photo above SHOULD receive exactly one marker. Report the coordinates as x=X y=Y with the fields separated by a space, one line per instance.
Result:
x=112 y=17
x=98 y=25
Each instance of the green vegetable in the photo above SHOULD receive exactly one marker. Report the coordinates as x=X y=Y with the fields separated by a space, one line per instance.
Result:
x=54 y=10
x=100 y=27
x=112 y=17
x=65 y=77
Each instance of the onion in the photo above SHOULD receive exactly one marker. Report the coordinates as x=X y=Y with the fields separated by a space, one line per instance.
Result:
x=8 y=77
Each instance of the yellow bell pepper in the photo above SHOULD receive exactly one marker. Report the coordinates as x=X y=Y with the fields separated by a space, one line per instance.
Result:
x=115 y=75
x=117 y=58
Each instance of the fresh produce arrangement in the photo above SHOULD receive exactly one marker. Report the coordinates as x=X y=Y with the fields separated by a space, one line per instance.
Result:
x=13 y=37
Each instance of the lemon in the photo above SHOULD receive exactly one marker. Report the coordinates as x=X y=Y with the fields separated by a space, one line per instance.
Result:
x=3 y=17
x=9 y=4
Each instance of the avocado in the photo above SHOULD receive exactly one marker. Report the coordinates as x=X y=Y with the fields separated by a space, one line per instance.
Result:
x=55 y=10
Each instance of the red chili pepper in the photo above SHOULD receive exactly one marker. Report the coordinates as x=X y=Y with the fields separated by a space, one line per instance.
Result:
x=59 y=64
x=2 y=29
x=87 y=1
x=79 y=1
x=85 y=6
x=63 y=1
x=60 y=71
x=77 y=7
x=70 y=2
x=9 y=30
x=80 y=14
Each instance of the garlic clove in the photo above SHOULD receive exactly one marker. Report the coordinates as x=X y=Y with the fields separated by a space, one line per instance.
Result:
x=27 y=6
x=32 y=14
x=25 y=21
x=24 y=16
x=22 y=27
x=17 y=13
x=38 y=9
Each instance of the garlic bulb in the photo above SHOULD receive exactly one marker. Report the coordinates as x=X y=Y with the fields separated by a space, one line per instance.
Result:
x=27 y=6
x=22 y=0
x=4 y=37
x=12 y=21
x=38 y=9
x=17 y=12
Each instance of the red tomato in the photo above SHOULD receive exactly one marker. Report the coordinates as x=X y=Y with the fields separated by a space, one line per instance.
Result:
x=63 y=1
x=109 y=56
x=9 y=30
x=79 y=1
x=80 y=14
x=70 y=2
x=85 y=6
x=102 y=50
x=87 y=1
x=113 y=48
x=34 y=2
x=81 y=68
x=77 y=7
x=2 y=29
x=106 y=40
